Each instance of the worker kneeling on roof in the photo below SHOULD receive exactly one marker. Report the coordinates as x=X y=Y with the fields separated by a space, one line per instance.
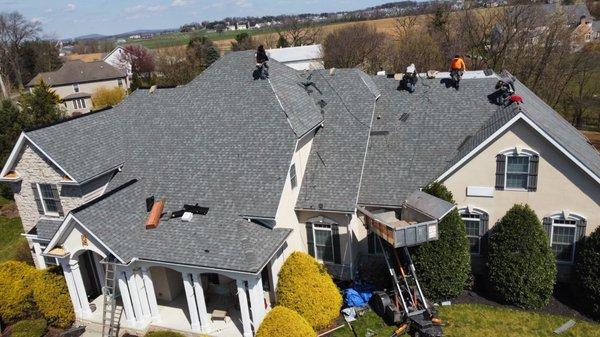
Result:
x=410 y=78
x=457 y=68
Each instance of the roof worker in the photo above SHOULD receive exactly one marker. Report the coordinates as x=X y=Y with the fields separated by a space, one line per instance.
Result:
x=262 y=69
x=457 y=69
x=410 y=78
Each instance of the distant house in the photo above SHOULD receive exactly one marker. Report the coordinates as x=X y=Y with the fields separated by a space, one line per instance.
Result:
x=299 y=58
x=76 y=80
x=117 y=59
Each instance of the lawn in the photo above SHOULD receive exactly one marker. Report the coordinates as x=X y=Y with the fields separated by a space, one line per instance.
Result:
x=178 y=38
x=10 y=234
x=471 y=320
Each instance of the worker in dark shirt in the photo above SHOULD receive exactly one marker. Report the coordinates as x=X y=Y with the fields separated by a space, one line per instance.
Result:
x=410 y=78
x=261 y=62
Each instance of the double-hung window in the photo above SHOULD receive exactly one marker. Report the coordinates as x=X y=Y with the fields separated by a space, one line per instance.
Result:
x=49 y=200
x=79 y=103
x=323 y=242
x=563 y=239
x=476 y=225
x=517 y=171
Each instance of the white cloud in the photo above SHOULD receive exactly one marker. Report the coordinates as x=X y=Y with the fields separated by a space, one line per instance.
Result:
x=49 y=10
x=181 y=3
x=69 y=7
x=243 y=3
x=39 y=19
x=138 y=10
x=157 y=8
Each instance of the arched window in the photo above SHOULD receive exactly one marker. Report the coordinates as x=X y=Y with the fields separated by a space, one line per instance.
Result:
x=564 y=230
x=476 y=221
x=517 y=169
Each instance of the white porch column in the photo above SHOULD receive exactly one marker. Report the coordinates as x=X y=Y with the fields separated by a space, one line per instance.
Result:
x=135 y=299
x=141 y=288
x=126 y=297
x=149 y=285
x=78 y=280
x=40 y=262
x=244 y=312
x=64 y=263
x=257 y=301
x=191 y=301
x=201 y=303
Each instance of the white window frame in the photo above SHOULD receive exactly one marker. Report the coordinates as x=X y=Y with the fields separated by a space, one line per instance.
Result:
x=561 y=217
x=76 y=87
x=476 y=211
x=293 y=176
x=325 y=228
x=517 y=152
x=41 y=196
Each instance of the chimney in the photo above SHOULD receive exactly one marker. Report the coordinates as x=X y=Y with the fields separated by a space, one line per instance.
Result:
x=155 y=214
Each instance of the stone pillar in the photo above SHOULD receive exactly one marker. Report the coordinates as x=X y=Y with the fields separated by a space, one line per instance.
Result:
x=78 y=280
x=126 y=297
x=64 y=263
x=257 y=301
x=191 y=301
x=201 y=303
x=244 y=312
x=149 y=285
x=39 y=259
x=141 y=289
x=135 y=298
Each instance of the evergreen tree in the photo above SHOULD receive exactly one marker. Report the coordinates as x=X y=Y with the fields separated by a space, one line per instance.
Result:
x=41 y=106
x=588 y=273
x=521 y=264
x=282 y=42
x=444 y=266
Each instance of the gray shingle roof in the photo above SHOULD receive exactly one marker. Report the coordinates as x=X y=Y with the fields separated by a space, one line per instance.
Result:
x=406 y=155
x=334 y=167
x=78 y=72
x=46 y=228
x=76 y=95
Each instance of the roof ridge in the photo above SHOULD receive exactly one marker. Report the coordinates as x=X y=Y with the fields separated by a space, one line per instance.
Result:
x=68 y=119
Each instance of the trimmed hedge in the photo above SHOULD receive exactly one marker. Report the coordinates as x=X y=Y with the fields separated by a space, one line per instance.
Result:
x=281 y=321
x=588 y=273
x=444 y=266
x=16 y=300
x=163 y=334
x=28 y=292
x=306 y=287
x=51 y=296
x=521 y=264
x=29 y=328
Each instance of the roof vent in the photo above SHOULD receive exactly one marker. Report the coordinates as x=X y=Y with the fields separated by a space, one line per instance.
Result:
x=331 y=71
x=152 y=90
x=149 y=203
x=380 y=133
x=155 y=214
x=404 y=116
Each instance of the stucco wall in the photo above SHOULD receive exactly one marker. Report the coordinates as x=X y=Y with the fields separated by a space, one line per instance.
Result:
x=90 y=87
x=561 y=184
x=168 y=283
x=33 y=167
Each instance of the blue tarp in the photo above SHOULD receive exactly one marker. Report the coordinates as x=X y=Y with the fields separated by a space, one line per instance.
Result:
x=359 y=295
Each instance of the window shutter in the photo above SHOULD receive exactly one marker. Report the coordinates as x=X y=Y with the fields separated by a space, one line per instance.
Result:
x=36 y=196
x=370 y=242
x=310 y=241
x=335 y=233
x=579 y=234
x=533 y=173
x=547 y=223
x=500 y=165
x=56 y=198
x=483 y=229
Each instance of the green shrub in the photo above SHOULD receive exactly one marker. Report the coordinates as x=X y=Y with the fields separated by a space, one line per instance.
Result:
x=521 y=265
x=29 y=328
x=16 y=301
x=51 y=296
x=164 y=333
x=306 y=287
x=282 y=321
x=588 y=273
x=444 y=266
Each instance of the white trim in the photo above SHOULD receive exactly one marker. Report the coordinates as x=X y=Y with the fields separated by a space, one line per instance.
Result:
x=362 y=170
x=17 y=148
x=64 y=226
x=50 y=214
x=329 y=229
x=516 y=154
x=508 y=124
x=561 y=216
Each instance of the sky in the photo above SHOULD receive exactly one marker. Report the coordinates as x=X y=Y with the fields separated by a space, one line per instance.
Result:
x=71 y=18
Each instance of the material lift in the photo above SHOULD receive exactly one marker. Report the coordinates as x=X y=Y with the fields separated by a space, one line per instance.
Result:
x=415 y=223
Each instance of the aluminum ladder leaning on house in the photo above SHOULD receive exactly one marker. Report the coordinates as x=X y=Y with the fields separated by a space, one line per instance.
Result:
x=109 y=326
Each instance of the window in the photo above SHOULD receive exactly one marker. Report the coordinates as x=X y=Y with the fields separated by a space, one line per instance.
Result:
x=293 y=177
x=373 y=244
x=120 y=82
x=49 y=200
x=476 y=224
x=76 y=87
x=517 y=171
x=79 y=103
x=323 y=242
x=562 y=238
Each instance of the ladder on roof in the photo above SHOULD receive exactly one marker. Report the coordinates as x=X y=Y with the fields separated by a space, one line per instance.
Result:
x=109 y=325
